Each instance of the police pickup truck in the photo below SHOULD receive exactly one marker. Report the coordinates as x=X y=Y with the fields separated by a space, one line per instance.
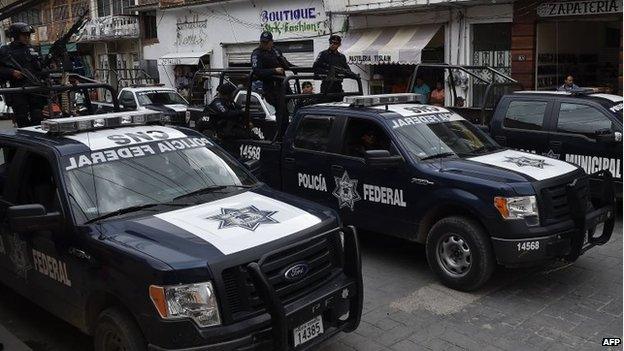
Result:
x=151 y=98
x=580 y=127
x=151 y=237
x=425 y=174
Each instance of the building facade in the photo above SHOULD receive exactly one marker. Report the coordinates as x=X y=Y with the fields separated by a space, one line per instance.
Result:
x=223 y=34
x=553 y=39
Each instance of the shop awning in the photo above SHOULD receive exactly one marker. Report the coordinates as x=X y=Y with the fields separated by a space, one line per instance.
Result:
x=182 y=58
x=386 y=45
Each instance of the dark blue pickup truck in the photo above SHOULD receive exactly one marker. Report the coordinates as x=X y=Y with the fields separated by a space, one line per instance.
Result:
x=152 y=237
x=423 y=173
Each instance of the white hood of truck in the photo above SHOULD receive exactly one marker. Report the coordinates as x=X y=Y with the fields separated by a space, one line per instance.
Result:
x=241 y=221
x=535 y=166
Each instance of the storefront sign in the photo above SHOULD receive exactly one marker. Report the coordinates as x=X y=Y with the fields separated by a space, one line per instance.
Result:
x=579 y=8
x=191 y=31
x=285 y=22
x=369 y=59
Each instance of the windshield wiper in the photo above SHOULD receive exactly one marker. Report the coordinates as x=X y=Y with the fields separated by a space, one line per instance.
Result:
x=440 y=155
x=122 y=211
x=210 y=189
x=134 y=209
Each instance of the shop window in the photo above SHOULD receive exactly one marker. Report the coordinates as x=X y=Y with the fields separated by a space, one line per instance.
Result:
x=313 y=133
x=582 y=119
x=587 y=50
x=148 y=21
x=525 y=115
x=363 y=135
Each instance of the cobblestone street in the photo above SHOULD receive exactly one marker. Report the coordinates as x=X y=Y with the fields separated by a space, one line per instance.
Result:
x=558 y=307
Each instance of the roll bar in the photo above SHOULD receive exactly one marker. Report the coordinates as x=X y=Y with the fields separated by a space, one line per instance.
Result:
x=298 y=74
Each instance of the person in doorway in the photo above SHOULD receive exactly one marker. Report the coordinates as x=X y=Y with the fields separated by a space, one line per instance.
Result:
x=568 y=84
x=332 y=62
x=20 y=64
x=423 y=89
x=437 y=95
x=266 y=63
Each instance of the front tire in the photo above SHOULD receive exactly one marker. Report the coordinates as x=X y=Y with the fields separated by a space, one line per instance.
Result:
x=116 y=330
x=459 y=253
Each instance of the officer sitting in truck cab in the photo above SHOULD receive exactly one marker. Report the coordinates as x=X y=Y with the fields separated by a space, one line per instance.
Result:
x=225 y=117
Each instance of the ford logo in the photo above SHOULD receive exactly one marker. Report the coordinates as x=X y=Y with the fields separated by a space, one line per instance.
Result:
x=296 y=271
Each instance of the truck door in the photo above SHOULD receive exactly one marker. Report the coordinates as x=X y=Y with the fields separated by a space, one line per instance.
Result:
x=41 y=259
x=369 y=197
x=305 y=159
x=521 y=124
x=577 y=128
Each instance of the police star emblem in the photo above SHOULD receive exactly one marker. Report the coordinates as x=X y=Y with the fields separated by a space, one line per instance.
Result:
x=249 y=218
x=346 y=191
x=523 y=161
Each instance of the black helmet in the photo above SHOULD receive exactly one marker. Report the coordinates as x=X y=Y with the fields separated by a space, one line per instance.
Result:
x=226 y=88
x=18 y=28
x=266 y=36
x=335 y=37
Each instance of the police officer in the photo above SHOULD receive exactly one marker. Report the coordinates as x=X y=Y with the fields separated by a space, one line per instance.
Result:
x=15 y=59
x=226 y=117
x=267 y=62
x=331 y=61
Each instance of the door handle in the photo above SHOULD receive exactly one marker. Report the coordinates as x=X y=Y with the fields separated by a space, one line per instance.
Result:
x=289 y=160
x=337 y=168
x=501 y=140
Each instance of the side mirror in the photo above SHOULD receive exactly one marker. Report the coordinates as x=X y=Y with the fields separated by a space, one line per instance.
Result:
x=382 y=159
x=253 y=166
x=610 y=137
x=31 y=218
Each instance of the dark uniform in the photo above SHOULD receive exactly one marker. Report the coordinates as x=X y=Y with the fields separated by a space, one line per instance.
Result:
x=328 y=59
x=27 y=108
x=227 y=118
x=264 y=63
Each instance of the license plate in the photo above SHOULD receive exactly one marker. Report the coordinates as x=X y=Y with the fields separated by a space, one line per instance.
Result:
x=308 y=330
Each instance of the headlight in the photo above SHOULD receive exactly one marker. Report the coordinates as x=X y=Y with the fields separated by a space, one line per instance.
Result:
x=521 y=207
x=195 y=301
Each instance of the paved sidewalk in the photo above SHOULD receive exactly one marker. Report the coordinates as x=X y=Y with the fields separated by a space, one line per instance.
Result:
x=558 y=307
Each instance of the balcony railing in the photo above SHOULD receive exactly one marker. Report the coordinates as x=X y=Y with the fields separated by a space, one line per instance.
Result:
x=111 y=28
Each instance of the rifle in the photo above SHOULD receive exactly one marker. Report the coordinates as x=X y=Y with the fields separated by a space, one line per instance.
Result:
x=58 y=50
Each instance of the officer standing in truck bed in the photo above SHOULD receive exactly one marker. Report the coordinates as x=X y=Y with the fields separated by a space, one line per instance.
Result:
x=267 y=62
x=332 y=59
x=20 y=63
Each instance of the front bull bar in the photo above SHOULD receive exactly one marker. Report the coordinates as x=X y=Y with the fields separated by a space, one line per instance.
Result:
x=276 y=309
x=586 y=217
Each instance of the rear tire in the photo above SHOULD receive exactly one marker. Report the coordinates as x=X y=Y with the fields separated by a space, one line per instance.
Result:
x=116 y=330
x=459 y=253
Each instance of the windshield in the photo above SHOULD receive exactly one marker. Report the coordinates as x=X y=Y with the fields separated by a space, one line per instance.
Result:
x=160 y=98
x=98 y=188
x=440 y=134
